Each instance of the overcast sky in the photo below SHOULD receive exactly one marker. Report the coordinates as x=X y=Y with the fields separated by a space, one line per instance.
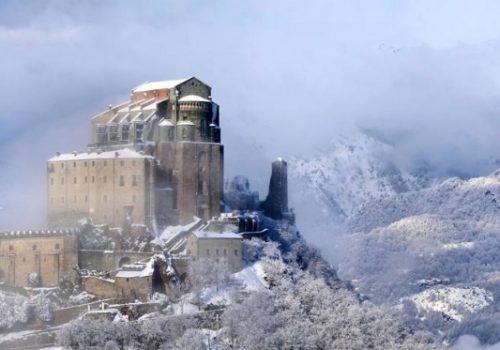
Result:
x=289 y=75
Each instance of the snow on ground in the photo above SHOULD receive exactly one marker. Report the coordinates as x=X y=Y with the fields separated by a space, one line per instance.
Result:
x=459 y=245
x=82 y=298
x=251 y=278
x=451 y=300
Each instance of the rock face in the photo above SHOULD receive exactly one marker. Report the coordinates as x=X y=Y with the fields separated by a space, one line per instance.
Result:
x=239 y=196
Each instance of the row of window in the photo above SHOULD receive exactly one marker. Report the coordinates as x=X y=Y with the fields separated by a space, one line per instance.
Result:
x=35 y=247
x=104 y=180
x=224 y=252
x=86 y=199
x=105 y=163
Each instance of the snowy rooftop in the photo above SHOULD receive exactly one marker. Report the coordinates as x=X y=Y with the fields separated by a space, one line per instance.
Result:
x=123 y=153
x=136 y=270
x=212 y=234
x=193 y=98
x=166 y=122
x=58 y=232
x=158 y=85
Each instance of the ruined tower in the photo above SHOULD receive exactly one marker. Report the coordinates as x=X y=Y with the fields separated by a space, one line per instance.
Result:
x=276 y=203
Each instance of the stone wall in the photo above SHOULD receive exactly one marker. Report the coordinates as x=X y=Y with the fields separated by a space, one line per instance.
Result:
x=51 y=254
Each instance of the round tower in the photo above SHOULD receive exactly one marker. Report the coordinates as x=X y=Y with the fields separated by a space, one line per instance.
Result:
x=197 y=110
x=185 y=131
x=166 y=131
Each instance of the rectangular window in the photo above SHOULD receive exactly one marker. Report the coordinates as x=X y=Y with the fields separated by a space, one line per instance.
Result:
x=86 y=198
x=217 y=251
x=133 y=163
x=85 y=163
x=74 y=180
x=86 y=180
x=105 y=163
x=93 y=179
x=93 y=163
x=122 y=163
x=105 y=180
x=51 y=180
x=74 y=164
x=122 y=180
x=105 y=198
x=208 y=252
x=225 y=252
x=236 y=252
x=134 y=180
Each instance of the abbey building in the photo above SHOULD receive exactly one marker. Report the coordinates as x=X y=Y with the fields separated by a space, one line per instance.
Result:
x=156 y=159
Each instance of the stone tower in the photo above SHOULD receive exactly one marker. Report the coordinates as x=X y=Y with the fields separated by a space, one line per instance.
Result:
x=276 y=203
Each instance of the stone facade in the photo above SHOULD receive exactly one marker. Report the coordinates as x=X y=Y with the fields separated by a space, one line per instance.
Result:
x=112 y=187
x=177 y=124
x=225 y=247
x=50 y=254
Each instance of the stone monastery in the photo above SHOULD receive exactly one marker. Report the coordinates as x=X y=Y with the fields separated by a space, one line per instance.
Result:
x=152 y=174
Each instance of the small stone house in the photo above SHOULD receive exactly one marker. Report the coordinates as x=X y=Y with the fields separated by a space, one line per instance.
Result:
x=223 y=247
x=135 y=281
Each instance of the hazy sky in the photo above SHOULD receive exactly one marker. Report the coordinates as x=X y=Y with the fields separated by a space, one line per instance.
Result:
x=288 y=75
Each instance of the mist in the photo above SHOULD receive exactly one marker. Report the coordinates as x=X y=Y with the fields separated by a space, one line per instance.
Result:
x=288 y=75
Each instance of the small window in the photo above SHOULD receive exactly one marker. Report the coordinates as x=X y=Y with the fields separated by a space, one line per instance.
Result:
x=11 y=248
x=74 y=164
x=85 y=163
x=86 y=198
x=24 y=259
x=86 y=179
x=133 y=163
x=225 y=252
x=62 y=165
x=93 y=163
x=134 y=180
x=236 y=252
x=57 y=246
x=105 y=180
x=74 y=180
x=34 y=247
x=51 y=181
x=122 y=163
x=127 y=279
x=105 y=163
x=217 y=251
x=189 y=251
x=122 y=180
x=208 y=252
x=93 y=179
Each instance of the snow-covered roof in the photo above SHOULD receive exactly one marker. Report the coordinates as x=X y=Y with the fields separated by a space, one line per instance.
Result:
x=136 y=270
x=159 y=85
x=193 y=98
x=58 y=232
x=216 y=235
x=166 y=122
x=185 y=122
x=122 y=153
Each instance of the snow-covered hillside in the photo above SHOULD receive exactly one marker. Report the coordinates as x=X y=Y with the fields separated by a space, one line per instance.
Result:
x=337 y=181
